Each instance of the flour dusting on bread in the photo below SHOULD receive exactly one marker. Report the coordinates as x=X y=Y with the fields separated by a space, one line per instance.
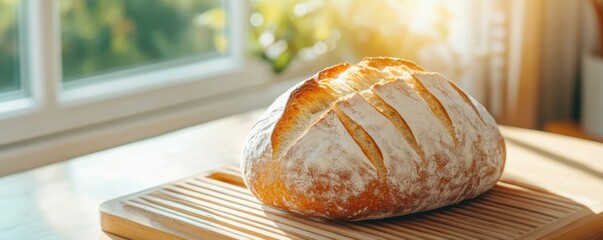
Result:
x=377 y=139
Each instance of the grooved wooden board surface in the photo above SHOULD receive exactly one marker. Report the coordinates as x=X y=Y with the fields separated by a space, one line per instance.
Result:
x=218 y=206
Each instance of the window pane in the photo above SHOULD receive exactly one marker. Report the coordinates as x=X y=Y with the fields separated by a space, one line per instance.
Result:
x=101 y=36
x=9 y=46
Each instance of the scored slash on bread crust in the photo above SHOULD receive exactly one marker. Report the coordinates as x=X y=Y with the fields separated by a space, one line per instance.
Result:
x=393 y=116
x=309 y=102
x=375 y=139
x=364 y=140
x=318 y=94
x=309 y=99
x=434 y=104
x=466 y=98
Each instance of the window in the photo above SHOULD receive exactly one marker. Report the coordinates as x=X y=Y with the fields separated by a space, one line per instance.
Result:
x=99 y=37
x=68 y=64
x=10 y=75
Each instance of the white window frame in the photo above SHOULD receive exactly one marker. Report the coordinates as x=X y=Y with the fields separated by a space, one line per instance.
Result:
x=52 y=124
x=49 y=109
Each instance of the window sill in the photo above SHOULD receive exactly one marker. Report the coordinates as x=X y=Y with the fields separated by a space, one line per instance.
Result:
x=69 y=144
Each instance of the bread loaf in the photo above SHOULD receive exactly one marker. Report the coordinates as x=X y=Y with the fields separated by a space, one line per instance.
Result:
x=377 y=139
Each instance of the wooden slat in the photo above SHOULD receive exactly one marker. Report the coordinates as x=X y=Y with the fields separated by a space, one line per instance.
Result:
x=437 y=228
x=220 y=211
x=386 y=229
x=512 y=187
x=493 y=218
x=255 y=208
x=466 y=229
x=223 y=219
x=542 y=197
x=218 y=206
x=533 y=205
x=186 y=227
x=245 y=230
x=520 y=212
x=493 y=213
x=246 y=217
x=228 y=175
x=415 y=234
x=497 y=230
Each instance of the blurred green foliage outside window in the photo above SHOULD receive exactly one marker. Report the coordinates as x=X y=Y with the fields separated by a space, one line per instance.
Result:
x=282 y=31
x=100 y=36
x=9 y=46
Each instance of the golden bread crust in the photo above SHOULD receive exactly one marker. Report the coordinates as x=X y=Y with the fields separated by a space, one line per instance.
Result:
x=377 y=139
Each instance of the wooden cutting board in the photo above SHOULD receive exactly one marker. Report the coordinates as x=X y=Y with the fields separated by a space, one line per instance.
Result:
x=218 y=206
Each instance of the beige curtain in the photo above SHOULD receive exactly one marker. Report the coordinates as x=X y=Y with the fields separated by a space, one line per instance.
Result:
x=559 y=89
x=540 y=74
x=524 y=58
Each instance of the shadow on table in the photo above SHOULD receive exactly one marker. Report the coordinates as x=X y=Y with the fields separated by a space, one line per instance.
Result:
x=556 y=157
